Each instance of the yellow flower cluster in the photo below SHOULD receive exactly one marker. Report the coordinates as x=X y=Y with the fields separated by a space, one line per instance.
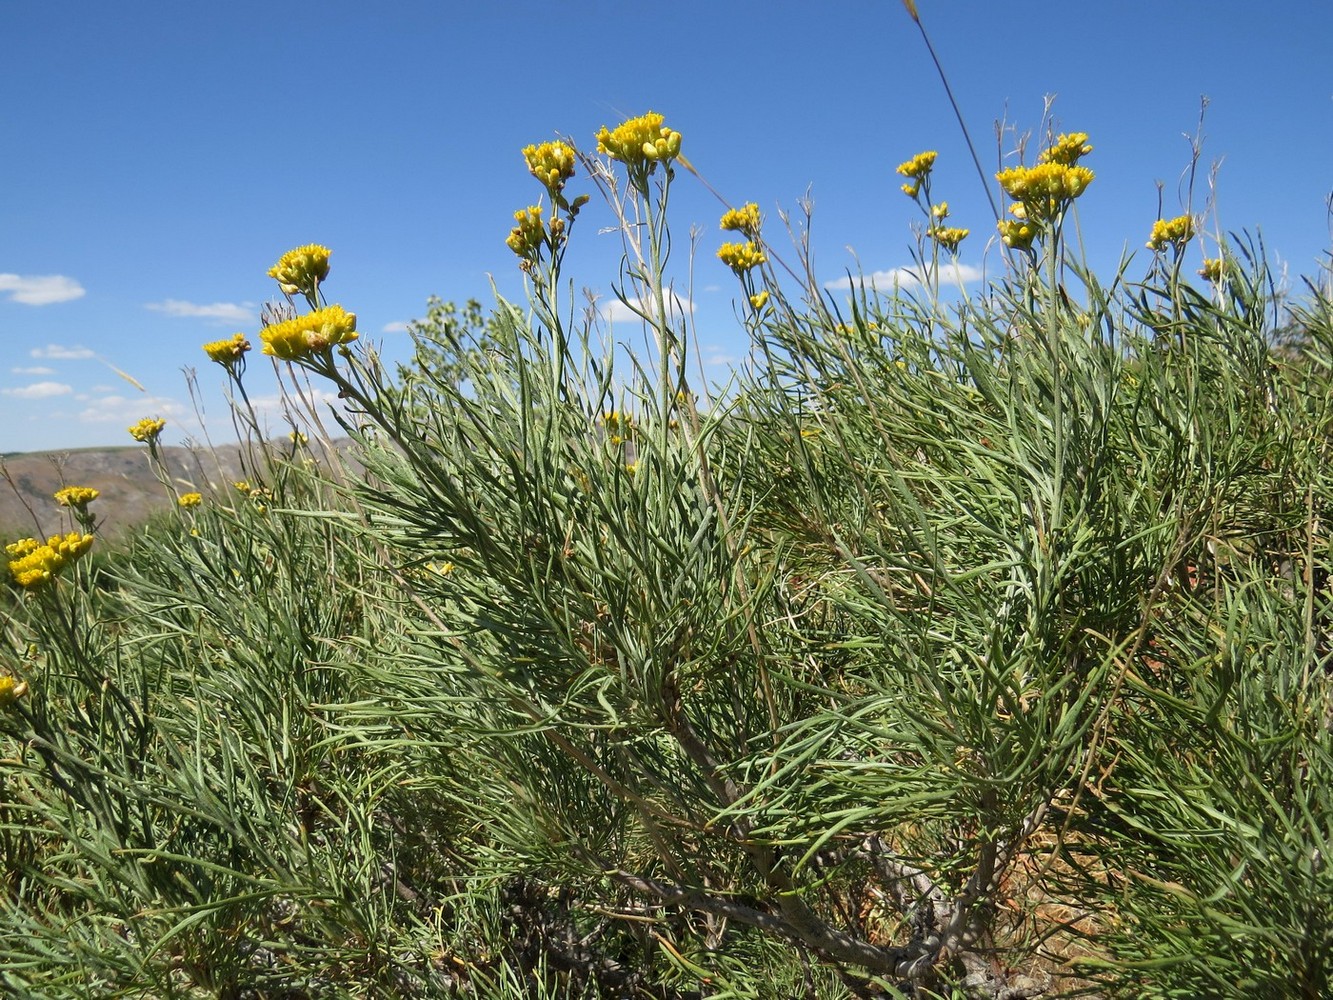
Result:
x=1017 y=234
x=227 y=352
x=1212 y=270
x=758 y=300
x=619 y=426
x=1171 y=232
x=948 y=236
x=33 y=563
x=147 y=430
x=1067 y=149
x=743 y=220
x=552 y=163
x=77 y=497
x=301 y=270
x=918 y=166
x=312 y=333
x=190 y=499
x=741 y=257
x=529 y=235
x=11 y=691
x=639 y=142
x=1044 y=190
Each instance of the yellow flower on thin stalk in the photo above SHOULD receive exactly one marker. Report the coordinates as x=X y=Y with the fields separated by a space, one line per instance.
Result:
x=527 y=238
x=188 y=500
x=34 y=563
x=1067 y=149
x=918 y=166
x=640 y=143
x=759 y=300
x=314 y=333
x=741 y=257
x=301 y=270
x=1017 y=234
x=948 y=236
x=1212 y=270
x=552 y=163
x=1046 y=190
x=148 y=430
x=745 y=220
x=227 y=352
x=1171 y=232
x=77 y=497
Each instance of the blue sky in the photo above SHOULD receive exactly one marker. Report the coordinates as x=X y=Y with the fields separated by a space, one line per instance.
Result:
x=159 y=156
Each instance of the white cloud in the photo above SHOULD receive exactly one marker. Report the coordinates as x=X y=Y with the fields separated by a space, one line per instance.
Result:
x=617 y=311
x=58 y=352
x=34 y=370
x=39 y=390
x=396 y=327
x=907 y=277
x=221 y=313
x=40 y=289
x=128 y=409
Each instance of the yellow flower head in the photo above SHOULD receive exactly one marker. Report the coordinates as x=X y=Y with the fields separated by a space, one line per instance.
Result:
x=741 y=257
x=640 y=142
x=35 y=563
x=1046 y=189
x=147 y=430
x=313 y=333
x=948 y=236
x=552 y=163
x=1017 y=233
x=1171 y=232
x=1067 y=149
x=528 y=237
x=190 y=499
x=743 y=220
x=620 y=426
x=242 y=486
x=940 y=211
x=11 y=690
x=1212 y=270
x=911 y=190
x=227 y=352
x=77 y=497
x=758 y=300
x=301 y=270
x=22 y=547
x=918 y=166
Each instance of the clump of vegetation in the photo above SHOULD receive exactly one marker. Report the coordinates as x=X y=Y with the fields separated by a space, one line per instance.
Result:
x=969 y=646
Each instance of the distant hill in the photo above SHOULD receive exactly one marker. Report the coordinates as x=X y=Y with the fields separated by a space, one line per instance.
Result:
x=129 y=492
